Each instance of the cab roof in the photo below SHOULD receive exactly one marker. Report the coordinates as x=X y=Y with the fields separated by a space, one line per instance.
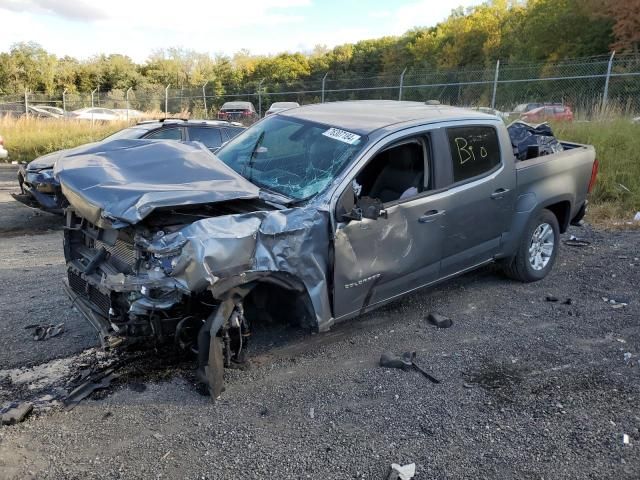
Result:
x=366 y=116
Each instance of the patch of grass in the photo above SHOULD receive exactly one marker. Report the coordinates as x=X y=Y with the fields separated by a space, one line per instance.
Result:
x=616 y=196
x=28 y=138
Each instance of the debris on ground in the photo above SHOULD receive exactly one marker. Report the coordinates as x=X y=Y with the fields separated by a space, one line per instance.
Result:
x=574 y=241
x=625 y=439
x=402 y=472
x=616 y=303
x=94 y=381
x=46 y=331
x=439 y=321
x=17 y=414
x=404 y=362
x=551 y=298
x=636 y=218
x=627 y=356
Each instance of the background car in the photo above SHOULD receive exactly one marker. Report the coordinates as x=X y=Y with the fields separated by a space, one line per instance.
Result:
x=239 y=111
x=45 y=111
x=526 y=107
x=129 y=114
x=40 y=189
x=3 y=151
x=548 y=112
x=279 y=106
x=95 y=114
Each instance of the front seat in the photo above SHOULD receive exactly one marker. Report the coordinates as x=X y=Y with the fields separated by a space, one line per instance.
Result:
x=404 y=171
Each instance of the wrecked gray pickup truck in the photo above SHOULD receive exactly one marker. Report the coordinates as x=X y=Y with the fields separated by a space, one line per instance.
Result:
x=314 y=215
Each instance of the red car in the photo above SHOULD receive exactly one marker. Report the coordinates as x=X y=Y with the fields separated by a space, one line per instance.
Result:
x=548 y=112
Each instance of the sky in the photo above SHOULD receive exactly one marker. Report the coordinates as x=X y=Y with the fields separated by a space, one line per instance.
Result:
x=83 y=28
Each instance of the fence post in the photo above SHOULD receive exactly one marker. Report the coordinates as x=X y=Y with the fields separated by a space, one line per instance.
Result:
x=166 y=100
x=92 y=92
x=495 y=85
x=26 y=102
x=64 y=100
x=204 y=100
x=401 y=83
x=606 y=82
x=323 y=80
x=260 y=98
x=126 y=96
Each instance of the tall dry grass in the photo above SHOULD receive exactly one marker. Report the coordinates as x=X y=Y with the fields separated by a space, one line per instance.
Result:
x=616 y=196
x=28 y=138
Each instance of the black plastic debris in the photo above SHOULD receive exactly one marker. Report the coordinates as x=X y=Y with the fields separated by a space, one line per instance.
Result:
x=551 y=298
x=46 y=331
x=531 y=141
x=96 y=381
x=404 y=362
x=574 y=241
x=439 y=321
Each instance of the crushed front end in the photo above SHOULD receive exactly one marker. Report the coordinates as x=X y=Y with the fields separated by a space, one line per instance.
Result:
x=123 y=290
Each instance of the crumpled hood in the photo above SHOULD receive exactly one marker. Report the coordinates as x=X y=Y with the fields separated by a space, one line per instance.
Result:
x=49 y=160
x=123 y=181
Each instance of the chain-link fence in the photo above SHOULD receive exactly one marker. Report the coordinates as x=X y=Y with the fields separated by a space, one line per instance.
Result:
x=590 y=86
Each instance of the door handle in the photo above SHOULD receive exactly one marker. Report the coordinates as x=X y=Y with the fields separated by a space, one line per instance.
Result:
x=499 y=193
x=430 y=216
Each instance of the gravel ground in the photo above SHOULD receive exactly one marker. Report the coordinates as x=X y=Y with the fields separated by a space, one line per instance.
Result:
x=530 y=388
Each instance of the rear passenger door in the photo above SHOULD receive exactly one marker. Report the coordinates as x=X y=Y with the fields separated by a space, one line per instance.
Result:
x=480 y=196
x=208 y=136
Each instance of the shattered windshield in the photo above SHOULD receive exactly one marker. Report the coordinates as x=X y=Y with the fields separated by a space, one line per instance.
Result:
x=295 y=158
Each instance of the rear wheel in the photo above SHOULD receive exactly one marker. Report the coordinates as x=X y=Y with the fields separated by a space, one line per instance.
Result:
x=537 y=250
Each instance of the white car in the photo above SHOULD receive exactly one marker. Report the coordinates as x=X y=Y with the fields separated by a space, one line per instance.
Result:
x=54 y=111
x=279 y=106
x=3 y=151
x=95 y=114
x=133 y=114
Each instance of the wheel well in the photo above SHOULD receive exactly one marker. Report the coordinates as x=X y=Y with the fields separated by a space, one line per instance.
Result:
x=562 y=212
x=274 y=303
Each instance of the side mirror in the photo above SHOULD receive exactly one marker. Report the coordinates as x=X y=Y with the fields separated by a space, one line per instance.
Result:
x=372 y=208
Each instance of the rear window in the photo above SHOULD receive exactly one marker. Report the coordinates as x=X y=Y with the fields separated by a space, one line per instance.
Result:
x=166 y=134
x=210 y=137
x=474 y=151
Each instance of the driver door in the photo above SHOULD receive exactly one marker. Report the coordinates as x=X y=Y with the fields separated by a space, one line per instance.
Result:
x=377 y=259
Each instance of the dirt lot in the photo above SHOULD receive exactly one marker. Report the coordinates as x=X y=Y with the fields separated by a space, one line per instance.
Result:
x=530 y=388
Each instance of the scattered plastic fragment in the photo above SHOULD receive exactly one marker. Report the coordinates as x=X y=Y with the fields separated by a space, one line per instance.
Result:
x=312 y=413
x=439 y=321
x=627 y=356
x=17 y=414
x=406 y=362
x=46 y=331
x=574 y=241
x=402 y=472
x=551 y=298
x=625 y=439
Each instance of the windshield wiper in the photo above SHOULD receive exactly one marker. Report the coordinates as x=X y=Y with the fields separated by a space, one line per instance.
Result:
x=254 y=152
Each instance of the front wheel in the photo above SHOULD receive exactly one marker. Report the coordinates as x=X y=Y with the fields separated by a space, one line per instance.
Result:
x=537 y=250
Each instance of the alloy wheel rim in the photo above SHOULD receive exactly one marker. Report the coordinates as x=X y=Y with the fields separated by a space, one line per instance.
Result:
x=541 y=246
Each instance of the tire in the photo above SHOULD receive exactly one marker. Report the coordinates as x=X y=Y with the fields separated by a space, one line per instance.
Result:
x=536 y=254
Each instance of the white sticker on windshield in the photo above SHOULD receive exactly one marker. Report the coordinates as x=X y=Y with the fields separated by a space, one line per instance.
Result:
x=342 y=135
